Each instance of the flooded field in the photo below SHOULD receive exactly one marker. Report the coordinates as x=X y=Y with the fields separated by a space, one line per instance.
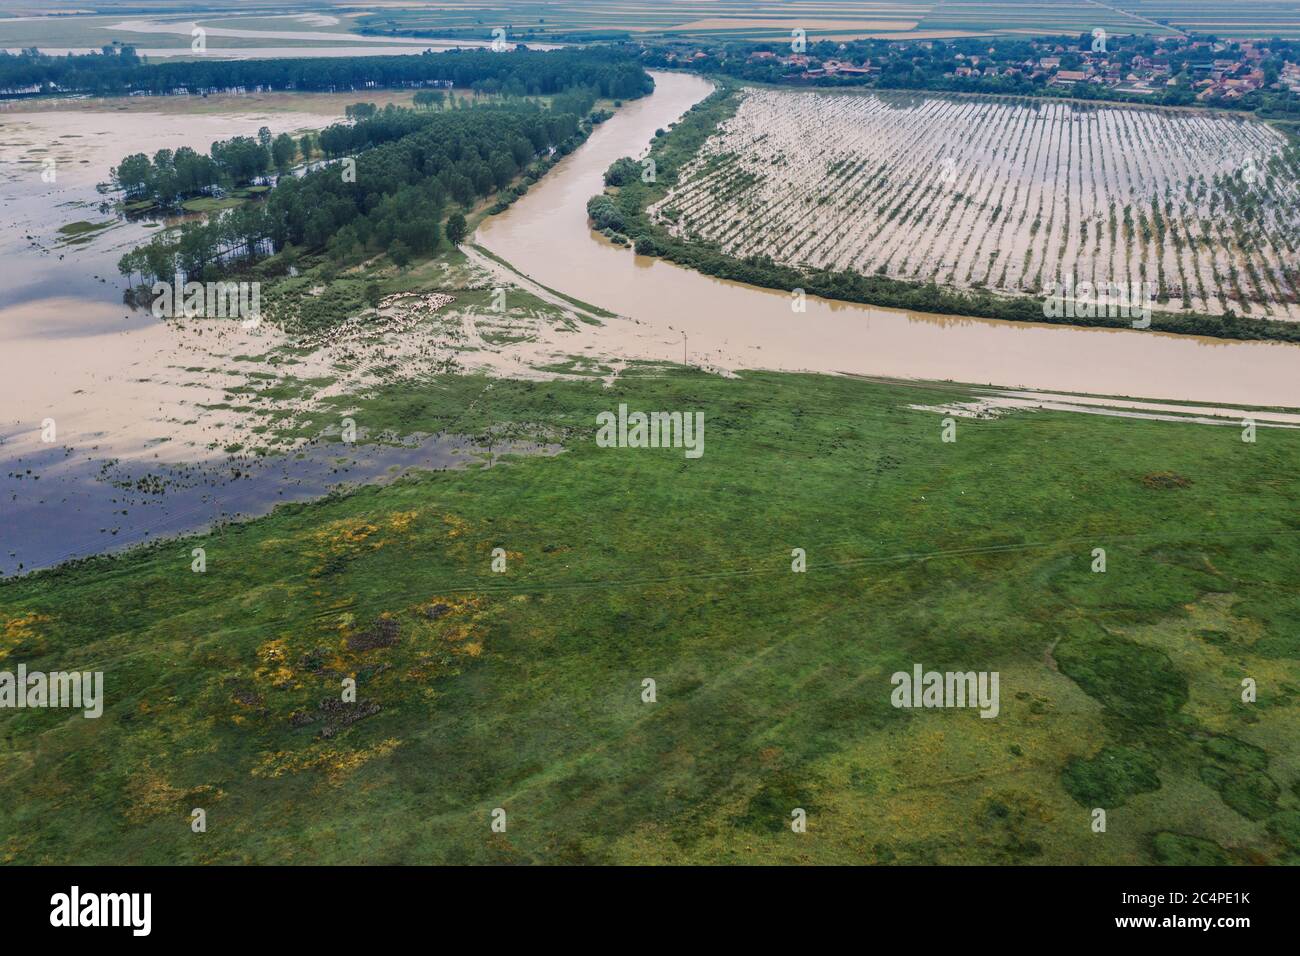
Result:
x=63 y=502
x=130 y=397
x=1007 y=195
x=71 y=349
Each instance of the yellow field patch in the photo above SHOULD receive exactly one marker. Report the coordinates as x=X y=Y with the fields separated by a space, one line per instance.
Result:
x=401 y=521
x=19 y=630
x=336 y=763
x=274 y=656
x=151 y=795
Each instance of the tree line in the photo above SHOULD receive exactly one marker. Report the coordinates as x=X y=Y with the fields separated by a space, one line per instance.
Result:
x=611 y=71
x=171 y=176
x=391 y=198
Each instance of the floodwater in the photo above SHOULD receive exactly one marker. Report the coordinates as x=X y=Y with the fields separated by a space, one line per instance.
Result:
x=61 y=503
x=137 y=405
x=728 y=325
x=69 y=349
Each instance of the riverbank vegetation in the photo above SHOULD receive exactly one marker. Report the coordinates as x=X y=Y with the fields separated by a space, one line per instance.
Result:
x=403 y=170
x=523 y=689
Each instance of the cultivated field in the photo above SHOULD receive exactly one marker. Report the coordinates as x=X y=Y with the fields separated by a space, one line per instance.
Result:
x=291 y=24
x=773 y=19
x=1006 y=194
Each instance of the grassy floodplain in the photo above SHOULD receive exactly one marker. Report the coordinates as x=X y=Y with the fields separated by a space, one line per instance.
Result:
x=522 y=689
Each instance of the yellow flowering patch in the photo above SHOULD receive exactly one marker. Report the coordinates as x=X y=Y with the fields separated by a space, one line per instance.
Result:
x=335 y=762
x=151 y=795
x=345 y=531
x=456 y=526
x=401 y=520
x=347 y=537
x=274 y=669
x=18 y=631
x=273 y=652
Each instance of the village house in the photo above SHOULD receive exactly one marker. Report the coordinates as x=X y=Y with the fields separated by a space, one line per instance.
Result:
x=1069 y=77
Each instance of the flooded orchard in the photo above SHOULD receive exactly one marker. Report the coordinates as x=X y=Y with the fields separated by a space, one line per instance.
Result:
x=1009 y=195
x=546 y=236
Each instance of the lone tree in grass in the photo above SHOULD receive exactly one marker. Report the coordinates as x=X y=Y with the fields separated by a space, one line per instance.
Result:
x=456 y=228
x=400 y=254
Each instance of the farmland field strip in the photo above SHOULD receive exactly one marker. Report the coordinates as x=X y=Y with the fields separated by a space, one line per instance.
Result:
x=960 y=206
x=899 y=205
x=982 y=176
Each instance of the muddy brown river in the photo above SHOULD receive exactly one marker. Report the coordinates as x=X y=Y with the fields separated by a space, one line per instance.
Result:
x=545 y=235
x=144 y=423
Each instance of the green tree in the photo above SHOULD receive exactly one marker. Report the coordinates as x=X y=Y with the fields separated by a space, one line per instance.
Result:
x=456 y=228
x=400 y=254
x=283 y=151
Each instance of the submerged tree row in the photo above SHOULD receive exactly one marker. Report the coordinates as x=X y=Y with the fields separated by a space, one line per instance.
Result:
x=1008 y=196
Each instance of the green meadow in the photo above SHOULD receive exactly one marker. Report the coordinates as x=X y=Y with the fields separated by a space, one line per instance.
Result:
x=522 y=689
